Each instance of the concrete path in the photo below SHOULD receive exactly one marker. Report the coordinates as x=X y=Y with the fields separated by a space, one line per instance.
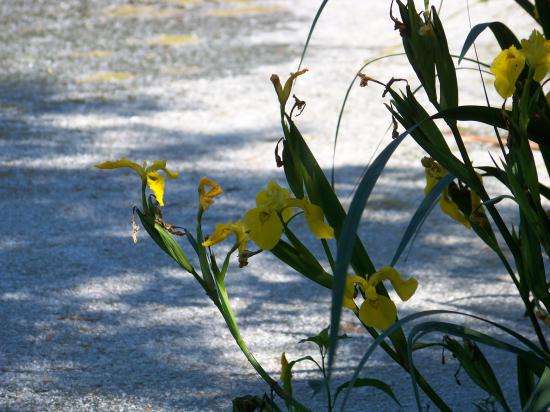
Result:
x=90 y=321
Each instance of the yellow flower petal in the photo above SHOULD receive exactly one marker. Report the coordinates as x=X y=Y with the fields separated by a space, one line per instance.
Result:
x=242 y=233
x=350 y=304
x=507 y=67
x=283 y=93
x=404 y=288
x=537 y=52
x=123 y=163
x=349 y=291
x=161 y=165
x=379 y=313
x=314 y=219
x=207 y=198
x=156 y=182
x=370 y=291
x=288 y=84
x=278 y=87
x=265 y=227
x=431 y=181
x=274 y=197
x=451 y=209
x=149 y=175
x=223 y=230
x=434 y=172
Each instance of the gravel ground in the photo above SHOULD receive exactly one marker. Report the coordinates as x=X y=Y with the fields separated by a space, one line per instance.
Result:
x=92 y=322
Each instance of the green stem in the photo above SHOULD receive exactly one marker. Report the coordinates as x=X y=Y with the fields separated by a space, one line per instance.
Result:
x=509 y=240
x=201 y=252
x=231 y=323
x=327 y=385
x=503 y=229
x=143 y=196
x=329 y=255
x=426 y=388
x=326 y=281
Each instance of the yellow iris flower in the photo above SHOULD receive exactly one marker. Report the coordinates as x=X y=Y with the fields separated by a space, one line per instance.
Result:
x=376 y=310
x=264 y=222
x=507 y=67
x=148 y=174
x=283 y=93
x=434 y=172
x=273 y=207
x=223 y=230
x=206 y=198
x=536 y=50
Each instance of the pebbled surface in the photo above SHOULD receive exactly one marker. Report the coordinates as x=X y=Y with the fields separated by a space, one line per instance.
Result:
x=90 y=321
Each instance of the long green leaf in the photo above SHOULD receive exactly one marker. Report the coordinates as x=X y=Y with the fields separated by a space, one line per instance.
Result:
x=348 y=236
x=527 y=6
x=346 y=96
x=503 y=34
x=231 y=322
x=292 y=173
x=475 y=364
x=321 y=193
x=448 y=86
x=543 y=357
x=539 y=127
x=543 y=9
x=344 y=102
x=311 y=29
x=165 y=241
x=374 y=383
x=526 y=381
x=419 y=49
x=418 y=331
x=174 y=248
x=290 y=256
x=349 y=229
x=540 y=399
x=420 y=215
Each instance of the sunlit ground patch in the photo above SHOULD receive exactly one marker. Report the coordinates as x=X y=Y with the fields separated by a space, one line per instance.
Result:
x=234 y=1
x=106 y=77
x=185 y=2
x=243 y=11
x=174 y=40
x=93 y=54
x=178 y=71
x=130 y=10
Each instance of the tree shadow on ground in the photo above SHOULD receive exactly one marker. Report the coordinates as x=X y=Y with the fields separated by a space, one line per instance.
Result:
x=86 y=311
